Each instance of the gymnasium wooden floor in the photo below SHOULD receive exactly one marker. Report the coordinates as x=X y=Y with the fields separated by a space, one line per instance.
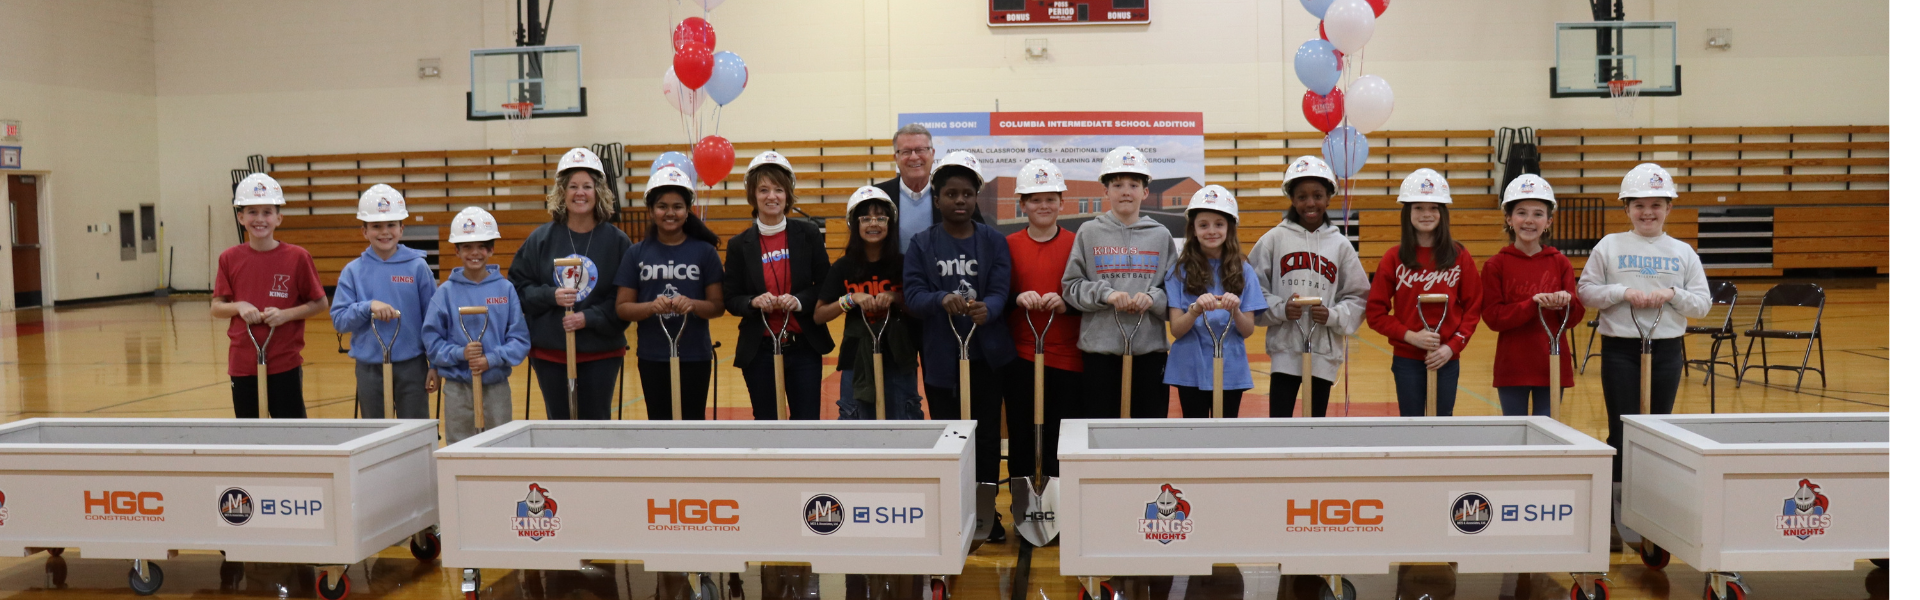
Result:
x=166 y=357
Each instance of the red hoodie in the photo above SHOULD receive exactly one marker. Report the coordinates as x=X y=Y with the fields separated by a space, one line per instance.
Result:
x=1403 y=284
x=1510 y=281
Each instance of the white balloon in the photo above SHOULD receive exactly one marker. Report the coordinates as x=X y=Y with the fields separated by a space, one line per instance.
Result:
x=679 y=97
x=1349 y=24
x=1369 y=103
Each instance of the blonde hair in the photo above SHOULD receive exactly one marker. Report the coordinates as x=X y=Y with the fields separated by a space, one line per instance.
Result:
x=779 y=176
x=557 y=197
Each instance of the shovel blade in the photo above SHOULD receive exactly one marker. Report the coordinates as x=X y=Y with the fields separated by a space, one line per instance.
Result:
x=983 y=513
x=1033 y=510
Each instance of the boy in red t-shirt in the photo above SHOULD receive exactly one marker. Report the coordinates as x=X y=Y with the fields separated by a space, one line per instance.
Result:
x=1040 y=255
x=268 y=289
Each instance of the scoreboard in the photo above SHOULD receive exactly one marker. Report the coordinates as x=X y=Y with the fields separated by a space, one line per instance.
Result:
x=1014 y=13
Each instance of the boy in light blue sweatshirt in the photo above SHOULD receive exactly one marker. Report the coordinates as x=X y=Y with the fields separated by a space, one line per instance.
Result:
x=380 y=299
x=494 y=351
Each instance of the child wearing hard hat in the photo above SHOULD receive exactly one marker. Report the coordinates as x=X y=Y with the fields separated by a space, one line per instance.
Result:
x=503 y=344
x=670 y=282
x=1643 y=279
x=267 y=289
x=1113 y=276
x=1041 y=252
x=1305 y=256
x=582 y=206
x=864 y=285
x=1427 y=261
x=1211 y=292
x=381 y=299
x=1526 y=283
x=959 y=275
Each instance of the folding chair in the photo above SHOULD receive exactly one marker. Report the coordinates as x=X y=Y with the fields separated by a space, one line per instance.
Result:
x=1728 y=294
x=1593 y=333
x=1803 y=295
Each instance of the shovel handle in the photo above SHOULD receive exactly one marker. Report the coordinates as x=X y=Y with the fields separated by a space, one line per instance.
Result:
x=260 y=385
x=480 y=406
x=1306 y=385
x=1433 y=391
x=879 y=388
x=1126 y=386
x=1219 y=395
x=966 y=388
x=1646 y=383
x=386 y=387
x=780 y=383
x=673 y=376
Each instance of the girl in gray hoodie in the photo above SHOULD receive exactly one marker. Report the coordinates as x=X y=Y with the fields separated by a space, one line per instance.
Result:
x=1304 y=257
x=1113 y=278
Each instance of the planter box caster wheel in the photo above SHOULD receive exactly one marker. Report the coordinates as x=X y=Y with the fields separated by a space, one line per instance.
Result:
x=937 y=588
x=337 y=591
x=425 y=546
x=1599 y=591
x=1105 y=592
x=1346 y=589
x=148 y=584
x=1653 y=556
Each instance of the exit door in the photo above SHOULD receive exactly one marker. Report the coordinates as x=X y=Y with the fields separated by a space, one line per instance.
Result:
x=24 y=193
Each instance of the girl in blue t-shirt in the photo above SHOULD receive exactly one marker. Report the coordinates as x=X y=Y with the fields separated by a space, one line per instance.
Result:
x=1210 y=264
x=670 y=284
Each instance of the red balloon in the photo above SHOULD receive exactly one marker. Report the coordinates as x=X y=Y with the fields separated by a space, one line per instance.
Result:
x=1379 y=7
x=1325 y=112
x=693 y=65
x=714 y=158
x=694 y=31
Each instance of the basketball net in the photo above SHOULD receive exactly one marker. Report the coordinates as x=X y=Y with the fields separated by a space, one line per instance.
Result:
x=518 y=114
x=1625 y=93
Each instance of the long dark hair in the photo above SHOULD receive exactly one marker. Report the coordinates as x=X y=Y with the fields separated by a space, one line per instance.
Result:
x=694 y=227
x=890 y=262
x=1193 y=262
x=1445 y=250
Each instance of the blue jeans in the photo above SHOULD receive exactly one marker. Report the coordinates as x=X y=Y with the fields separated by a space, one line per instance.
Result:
x=903 y=398
x=1514 y=400
x=1410 y=384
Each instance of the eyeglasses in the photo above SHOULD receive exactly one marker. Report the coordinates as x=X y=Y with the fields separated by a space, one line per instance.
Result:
x=924 y=150
x=873 y=220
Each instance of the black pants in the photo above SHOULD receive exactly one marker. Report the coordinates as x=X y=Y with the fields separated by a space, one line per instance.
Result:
x=1620 y=383
x=1063 y=402
x=1100 y=398
x=1514 y=400
x=803 y=382
x=656 y=384
x=1196 y=403
x=944 y=403
x=594 y=388
x=285 y=400
x=1283 y=389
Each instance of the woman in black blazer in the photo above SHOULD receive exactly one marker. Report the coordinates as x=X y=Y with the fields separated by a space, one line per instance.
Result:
x=773 y=273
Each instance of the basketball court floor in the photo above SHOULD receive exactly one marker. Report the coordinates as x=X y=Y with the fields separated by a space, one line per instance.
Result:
x=166 y=358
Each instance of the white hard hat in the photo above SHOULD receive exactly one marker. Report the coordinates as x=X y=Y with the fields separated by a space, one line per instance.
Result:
x=963 y=159
x=770 y=158
x=865 y=193
x=382 y=203
x=258 y=189
x=1217 y=199
x=1125 y=159
x=1648 y=181
x=1528 y=187
x=1309 y=167
x=1425 y=185
x=1039 y=175
x=473 y=224
x=580 y=158
x=671 y=177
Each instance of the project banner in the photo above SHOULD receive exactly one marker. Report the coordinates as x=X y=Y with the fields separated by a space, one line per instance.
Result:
x=1076 y=142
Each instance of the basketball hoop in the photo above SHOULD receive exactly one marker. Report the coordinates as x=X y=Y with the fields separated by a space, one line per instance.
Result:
x=1625 y=92
x=517 y=115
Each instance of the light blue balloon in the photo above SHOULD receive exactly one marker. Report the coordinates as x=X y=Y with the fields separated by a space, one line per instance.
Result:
x=1316 y=66
x=729 y=77
x=1345 y=149
x=674 y=159
x=1317 y=7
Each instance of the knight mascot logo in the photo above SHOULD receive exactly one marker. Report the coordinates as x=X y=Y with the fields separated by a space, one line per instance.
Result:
x=538 y=516
x=1805 y=514
x=1168 y=517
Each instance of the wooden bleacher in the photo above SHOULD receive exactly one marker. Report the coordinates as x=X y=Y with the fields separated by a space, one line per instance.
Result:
x=1820 y=191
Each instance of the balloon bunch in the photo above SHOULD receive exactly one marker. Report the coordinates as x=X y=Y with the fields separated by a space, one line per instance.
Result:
x=1345 y=115
x=697 y=75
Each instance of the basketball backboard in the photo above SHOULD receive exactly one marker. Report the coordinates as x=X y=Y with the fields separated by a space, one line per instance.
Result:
x=547 y=76
x=1589 y=54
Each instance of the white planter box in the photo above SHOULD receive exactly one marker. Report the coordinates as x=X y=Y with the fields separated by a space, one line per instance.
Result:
x=711 y=496
x=1332 y=496
x=1716 y=490
x=318 y=491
